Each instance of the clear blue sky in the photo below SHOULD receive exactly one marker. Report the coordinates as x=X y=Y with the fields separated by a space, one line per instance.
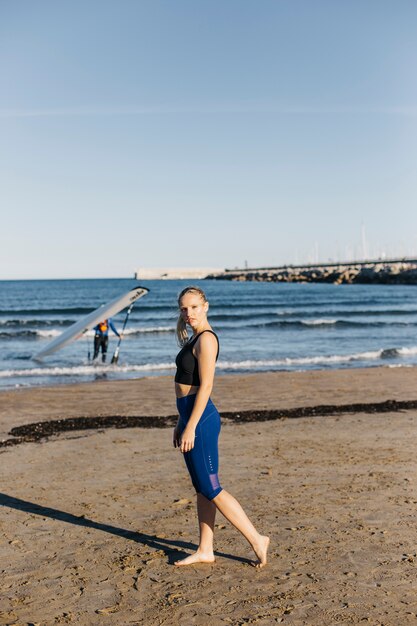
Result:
x=205 y=133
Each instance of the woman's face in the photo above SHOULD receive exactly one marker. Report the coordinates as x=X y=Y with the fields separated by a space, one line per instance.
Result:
x=193 y=309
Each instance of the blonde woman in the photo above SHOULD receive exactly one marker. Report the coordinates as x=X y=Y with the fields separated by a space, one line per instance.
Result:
x=198 y=428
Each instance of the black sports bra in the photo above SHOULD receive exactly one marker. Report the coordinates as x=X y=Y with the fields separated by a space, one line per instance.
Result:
x=187 y=364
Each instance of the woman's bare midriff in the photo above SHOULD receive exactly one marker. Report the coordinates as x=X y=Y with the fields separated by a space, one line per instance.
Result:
x=182 y=390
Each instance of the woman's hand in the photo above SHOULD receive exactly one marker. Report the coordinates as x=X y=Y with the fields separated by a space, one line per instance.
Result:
x=187 y=439
x=176 y=437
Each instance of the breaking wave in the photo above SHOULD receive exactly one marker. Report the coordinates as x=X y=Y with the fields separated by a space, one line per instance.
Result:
x=245 y=365
x=82 y=370
x=52 y=332
x=371 y=355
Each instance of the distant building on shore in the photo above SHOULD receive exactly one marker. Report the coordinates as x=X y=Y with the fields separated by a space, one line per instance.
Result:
x=175 y=273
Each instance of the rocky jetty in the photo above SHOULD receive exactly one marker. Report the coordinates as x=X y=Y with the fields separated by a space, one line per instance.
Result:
x=398 y=272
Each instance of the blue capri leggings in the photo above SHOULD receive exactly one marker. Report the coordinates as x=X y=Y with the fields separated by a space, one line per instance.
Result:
x=203 y=460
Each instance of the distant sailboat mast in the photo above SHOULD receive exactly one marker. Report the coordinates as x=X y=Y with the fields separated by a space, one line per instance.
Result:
x=364 y=243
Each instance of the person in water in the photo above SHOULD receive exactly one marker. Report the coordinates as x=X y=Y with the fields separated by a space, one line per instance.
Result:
x=197 y=431
x=101 y=338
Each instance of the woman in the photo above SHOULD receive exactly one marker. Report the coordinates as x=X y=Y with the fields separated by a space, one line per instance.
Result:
x=197 y=431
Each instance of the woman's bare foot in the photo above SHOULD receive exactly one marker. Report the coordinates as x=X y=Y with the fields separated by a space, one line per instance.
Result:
x=197 y=557
x=261 y=550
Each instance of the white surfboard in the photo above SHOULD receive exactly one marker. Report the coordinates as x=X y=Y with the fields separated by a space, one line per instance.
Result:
x=105 y=311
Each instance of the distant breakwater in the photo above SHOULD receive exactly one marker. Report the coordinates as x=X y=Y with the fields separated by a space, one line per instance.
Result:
x=396 y=272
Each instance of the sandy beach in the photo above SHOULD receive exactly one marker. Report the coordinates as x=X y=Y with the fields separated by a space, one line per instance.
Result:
x=93 y=520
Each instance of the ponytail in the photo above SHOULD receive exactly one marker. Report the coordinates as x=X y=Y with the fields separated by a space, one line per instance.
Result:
x=182 y=335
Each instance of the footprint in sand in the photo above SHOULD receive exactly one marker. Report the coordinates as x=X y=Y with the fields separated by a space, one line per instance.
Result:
x=108 y=610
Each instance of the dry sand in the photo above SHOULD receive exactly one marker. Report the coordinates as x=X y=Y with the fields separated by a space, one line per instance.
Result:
x=92 y=521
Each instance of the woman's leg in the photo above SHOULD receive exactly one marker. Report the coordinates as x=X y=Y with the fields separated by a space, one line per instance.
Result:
x=202 y=463
x=206 y=511
x=233 y=512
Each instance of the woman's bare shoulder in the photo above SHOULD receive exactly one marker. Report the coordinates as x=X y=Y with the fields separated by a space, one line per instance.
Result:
x=207 y=340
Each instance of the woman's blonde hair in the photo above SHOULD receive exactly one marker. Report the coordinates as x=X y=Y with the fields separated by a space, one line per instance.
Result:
x=182 y=334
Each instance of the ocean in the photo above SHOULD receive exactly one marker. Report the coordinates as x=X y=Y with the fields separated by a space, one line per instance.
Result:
x=262 y=327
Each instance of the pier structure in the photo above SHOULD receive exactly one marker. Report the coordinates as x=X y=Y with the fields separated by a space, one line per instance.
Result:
x=380 y=271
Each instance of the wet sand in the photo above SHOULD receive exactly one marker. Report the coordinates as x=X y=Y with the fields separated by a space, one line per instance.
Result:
x=93 y=520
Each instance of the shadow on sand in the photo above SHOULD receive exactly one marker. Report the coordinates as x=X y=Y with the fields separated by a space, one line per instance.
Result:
x=173 y=549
